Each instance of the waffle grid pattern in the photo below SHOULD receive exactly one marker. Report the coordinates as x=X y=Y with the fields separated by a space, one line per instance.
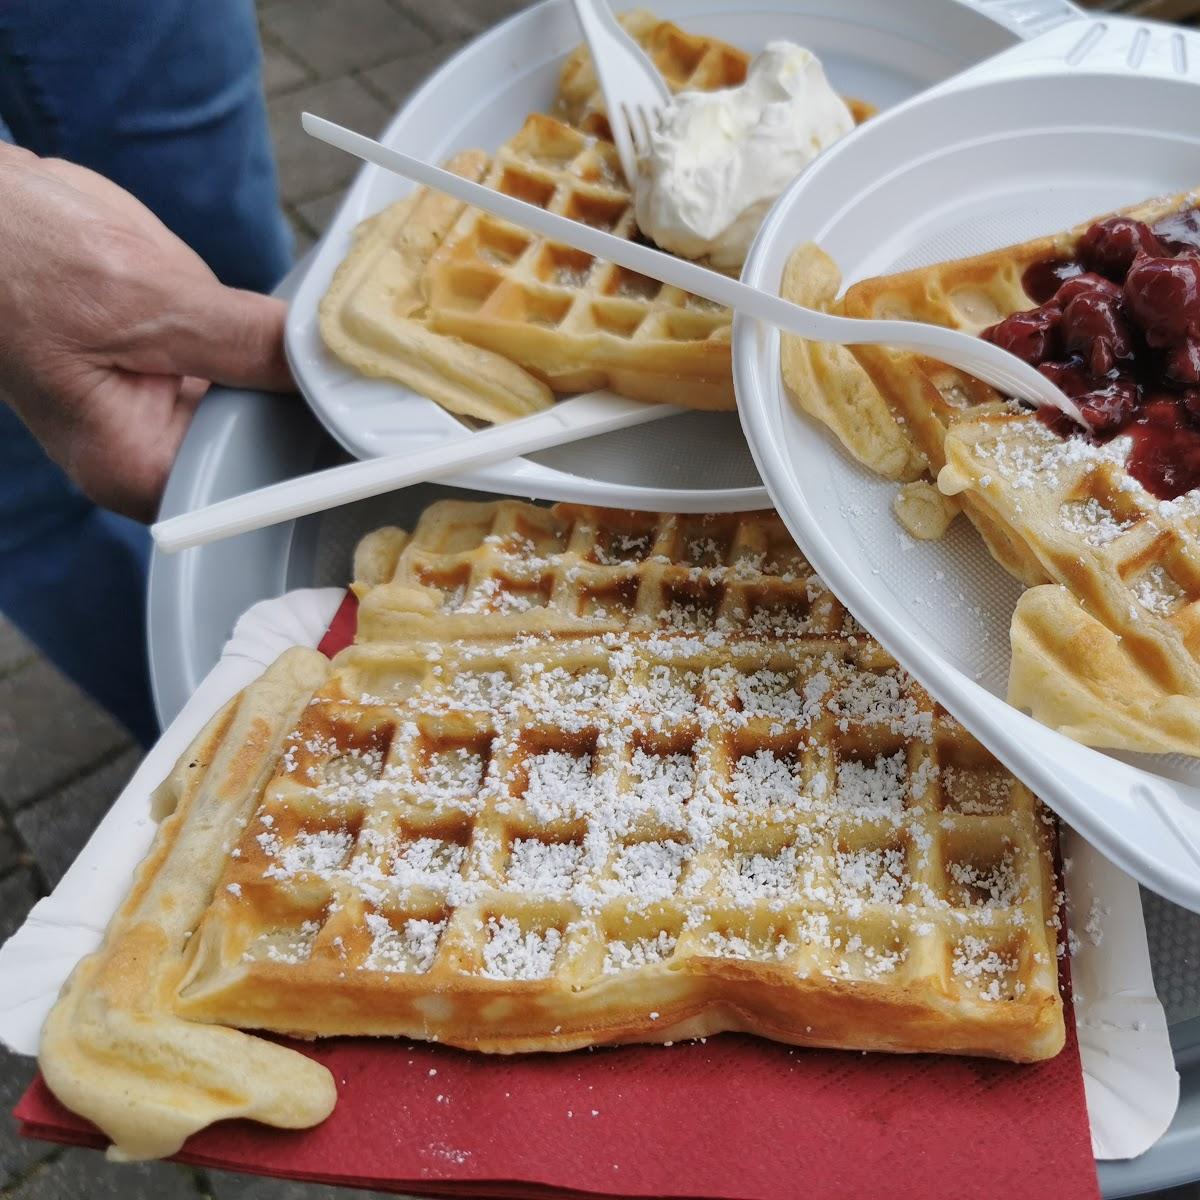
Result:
x=584 y=836
x=1132 y=560
x=686 y=61
x=579 y=323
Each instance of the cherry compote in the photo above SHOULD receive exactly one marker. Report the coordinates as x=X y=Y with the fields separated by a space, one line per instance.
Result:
x=1117 y=328
x=1166 y=447
x=1043 y=279
x=1163 y=297
x=1029 y=335
x=1109 y=247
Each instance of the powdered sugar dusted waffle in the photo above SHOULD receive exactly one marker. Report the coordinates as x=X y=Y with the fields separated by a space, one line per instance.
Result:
x=529 y=820
x=1105 y=641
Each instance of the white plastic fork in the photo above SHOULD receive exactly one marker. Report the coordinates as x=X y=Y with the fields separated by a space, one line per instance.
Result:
x=583 y=416
x=568 y=421
x=634 y=91
x=1004 y=371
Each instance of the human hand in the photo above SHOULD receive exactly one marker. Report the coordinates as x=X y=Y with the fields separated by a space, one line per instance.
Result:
x=111 y=329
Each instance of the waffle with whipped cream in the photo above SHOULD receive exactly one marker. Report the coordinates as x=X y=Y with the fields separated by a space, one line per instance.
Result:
x=574 y=321
x=611 y=777
x=490 y=320
x=688 y=62
x=1106 y=638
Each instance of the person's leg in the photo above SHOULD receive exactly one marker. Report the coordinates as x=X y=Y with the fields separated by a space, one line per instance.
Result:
x=73 y=579
x=165 y=98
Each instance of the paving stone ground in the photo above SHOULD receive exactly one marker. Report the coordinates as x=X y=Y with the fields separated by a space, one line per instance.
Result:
x=62 y=760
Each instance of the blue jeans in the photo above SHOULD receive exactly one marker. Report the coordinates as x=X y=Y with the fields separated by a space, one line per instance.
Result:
x=164 y=97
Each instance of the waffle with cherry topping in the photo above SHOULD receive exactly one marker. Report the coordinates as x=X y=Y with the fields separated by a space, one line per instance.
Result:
x=1106 y=639
x=586 y=777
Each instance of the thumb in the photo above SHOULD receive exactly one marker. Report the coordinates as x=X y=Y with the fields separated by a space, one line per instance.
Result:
x=218 y=333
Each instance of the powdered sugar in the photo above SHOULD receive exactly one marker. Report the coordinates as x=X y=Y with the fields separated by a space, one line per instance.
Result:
x=560 y=785
x=749 y=878
x=411 y=947
x=318 y=852
x=427 y=862
x=985 y=969
x=1092 y=521
x=513 y=953
x=991 y=885
x=875 y=875
x=543 y=868
x=641 y=952
x=873 y=788
x=649 y=870
x=763 y=780
x=1156 y=591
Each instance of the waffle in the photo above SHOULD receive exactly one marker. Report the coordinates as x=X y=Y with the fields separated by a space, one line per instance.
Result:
x=490 y=320
x=1105 y=642
x=688 y=62
x=612 y=777
x=373 y=315
x=576 y=322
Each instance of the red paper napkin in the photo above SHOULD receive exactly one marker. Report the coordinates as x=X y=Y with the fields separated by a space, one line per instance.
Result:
x=732 y=1118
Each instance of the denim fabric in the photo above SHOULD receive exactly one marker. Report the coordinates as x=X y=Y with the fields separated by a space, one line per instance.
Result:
x=165 y=98
x=73 y=579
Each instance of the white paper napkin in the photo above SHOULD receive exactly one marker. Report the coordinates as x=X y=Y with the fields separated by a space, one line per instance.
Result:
x=1128 y=1067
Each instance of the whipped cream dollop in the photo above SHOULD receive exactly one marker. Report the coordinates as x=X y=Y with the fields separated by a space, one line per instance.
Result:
x=719 y=159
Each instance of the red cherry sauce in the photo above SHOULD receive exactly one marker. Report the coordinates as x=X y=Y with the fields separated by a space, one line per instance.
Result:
x=1044 y=278
x=1166 y=448
x=1117 y=327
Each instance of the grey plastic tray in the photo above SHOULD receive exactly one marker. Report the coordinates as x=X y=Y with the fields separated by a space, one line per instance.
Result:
x=242 y=440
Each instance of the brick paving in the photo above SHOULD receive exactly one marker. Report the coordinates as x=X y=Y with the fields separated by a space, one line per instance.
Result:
x=353 y=61
x=63 y=760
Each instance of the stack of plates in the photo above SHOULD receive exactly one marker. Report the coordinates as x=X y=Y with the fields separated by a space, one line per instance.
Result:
x=1017 y=116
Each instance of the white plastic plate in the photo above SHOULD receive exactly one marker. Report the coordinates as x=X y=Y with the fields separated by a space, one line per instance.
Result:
x=1088 y=117
x=874 y=49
